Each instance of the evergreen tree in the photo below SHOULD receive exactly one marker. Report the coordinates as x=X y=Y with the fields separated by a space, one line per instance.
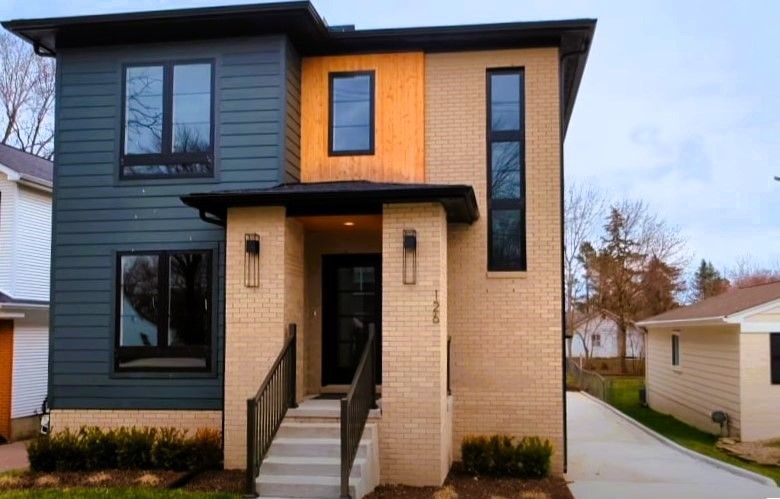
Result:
x=708 y=282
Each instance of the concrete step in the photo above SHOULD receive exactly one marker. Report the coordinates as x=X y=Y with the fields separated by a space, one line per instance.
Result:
x=306 y=447
x=314 y=466
x=303 y=486
x=313 y=430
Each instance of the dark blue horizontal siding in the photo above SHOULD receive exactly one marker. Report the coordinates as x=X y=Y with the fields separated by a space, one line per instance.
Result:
x=96 y=214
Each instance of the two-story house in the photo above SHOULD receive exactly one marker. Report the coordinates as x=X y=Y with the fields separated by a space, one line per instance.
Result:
x=25 y=249
x=341 y=247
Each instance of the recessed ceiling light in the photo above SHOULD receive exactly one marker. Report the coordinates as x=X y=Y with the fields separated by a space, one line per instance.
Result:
x=349 y=224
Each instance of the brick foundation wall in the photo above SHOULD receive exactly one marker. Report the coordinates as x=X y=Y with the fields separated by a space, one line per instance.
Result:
x=191 y=421
x=506 y=327
x=414 y=444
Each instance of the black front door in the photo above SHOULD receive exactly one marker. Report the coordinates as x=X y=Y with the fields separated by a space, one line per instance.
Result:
x=351 y=308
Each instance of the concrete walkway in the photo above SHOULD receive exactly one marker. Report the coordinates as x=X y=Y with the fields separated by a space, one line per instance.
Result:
x=610 y=457
x=13 y=456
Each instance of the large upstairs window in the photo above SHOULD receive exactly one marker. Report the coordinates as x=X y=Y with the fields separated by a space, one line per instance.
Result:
x=351 y=113
x=506 y=170
x=164 y=311
x=168 y=120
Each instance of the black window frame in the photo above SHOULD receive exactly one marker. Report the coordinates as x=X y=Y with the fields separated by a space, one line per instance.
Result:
x=510 y=136
x=371 y=110
x=675 y=350
x=127 y=353
x=167 y=156
x=774 y=358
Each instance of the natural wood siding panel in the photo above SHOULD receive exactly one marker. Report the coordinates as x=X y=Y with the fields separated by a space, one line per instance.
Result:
x=96 y=214
x=6 y=371
x=707 y=379
x=399 y=153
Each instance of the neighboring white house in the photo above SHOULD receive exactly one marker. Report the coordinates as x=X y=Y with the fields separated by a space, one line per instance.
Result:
x=595 y=335
x=25 y=251
x=719 y=355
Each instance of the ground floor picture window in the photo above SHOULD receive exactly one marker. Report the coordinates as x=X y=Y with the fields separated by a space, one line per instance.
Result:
x=164 y=311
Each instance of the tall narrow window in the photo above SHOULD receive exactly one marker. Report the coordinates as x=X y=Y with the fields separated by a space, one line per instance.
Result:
x=506 y=170
x=168 y=120
x=675 y=349
x=164 y=312
x=351 y=113
x=774 y=357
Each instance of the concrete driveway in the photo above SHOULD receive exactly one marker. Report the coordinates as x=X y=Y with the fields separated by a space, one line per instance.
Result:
x=611 y=457
x=13 y=456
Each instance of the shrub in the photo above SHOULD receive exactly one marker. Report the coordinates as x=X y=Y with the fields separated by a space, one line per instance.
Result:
x=534 y=455
x=169 y=450
x=126 y=448
x=68 y=452
x=134 y=448
x=501 y=455
x=99 y=447
x=40 y=454
x=204 y=450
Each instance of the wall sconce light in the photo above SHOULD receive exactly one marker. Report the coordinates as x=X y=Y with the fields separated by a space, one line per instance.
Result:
x=251 y=260
x=410 y=256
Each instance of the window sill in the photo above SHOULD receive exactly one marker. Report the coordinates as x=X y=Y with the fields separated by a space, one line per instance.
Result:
x=677 y=369
x=513 y=274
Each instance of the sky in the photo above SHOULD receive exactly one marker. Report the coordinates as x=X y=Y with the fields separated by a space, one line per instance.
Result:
x=678 y=106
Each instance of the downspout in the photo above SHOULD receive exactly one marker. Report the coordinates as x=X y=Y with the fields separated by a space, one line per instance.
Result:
x=562 y=114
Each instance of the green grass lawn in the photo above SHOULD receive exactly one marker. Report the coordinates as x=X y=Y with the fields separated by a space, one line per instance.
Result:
x=99 y=493
x=624 y=395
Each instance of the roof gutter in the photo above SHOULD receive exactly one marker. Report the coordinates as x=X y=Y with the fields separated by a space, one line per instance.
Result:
x=698 y=321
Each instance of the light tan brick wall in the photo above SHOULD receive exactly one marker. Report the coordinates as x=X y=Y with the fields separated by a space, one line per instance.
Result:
x=414 y=400
x=760 y=399
x=256 y=318
x=506 y=331
x=191 y=421
x=319 y=243
x=294 y=296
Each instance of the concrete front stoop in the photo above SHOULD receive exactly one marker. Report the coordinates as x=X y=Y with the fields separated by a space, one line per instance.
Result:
x=304 y=461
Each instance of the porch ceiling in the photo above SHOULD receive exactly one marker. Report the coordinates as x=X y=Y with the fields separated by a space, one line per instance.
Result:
x=334 y=198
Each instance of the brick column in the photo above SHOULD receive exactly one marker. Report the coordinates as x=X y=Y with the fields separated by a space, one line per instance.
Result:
x=256 y=318
x=414 y=439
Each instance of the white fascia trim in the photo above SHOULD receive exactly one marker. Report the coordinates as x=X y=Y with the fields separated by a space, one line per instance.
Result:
x=11 y=315
x=760 y=327
x=28 y=180
x=12 y=175
x=24 y=306
x=744 y=314
x=698 y=321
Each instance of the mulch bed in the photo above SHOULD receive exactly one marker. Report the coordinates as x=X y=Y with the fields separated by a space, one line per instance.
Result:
x=458 y=485
x=464 y=486
x=230 y=481
x=113 y=478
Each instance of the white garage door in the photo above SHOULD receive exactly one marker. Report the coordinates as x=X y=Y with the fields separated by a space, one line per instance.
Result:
x=31 y=359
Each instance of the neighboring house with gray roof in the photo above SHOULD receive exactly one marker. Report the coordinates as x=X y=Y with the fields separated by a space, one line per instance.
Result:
x=721 y=354
x=25 y=249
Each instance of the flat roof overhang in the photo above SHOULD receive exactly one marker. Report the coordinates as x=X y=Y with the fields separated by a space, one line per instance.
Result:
x=337 y=198
x=310 y=34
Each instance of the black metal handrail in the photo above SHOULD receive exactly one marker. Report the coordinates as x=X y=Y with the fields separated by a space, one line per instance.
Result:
x=355 y=408
x=266 y=410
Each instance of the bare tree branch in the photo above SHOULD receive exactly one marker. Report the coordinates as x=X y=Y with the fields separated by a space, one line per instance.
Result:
x=26 y=98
